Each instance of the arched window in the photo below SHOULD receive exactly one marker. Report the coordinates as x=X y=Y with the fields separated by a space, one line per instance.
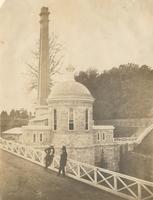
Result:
x=86 y=119
x=71 y=119
x=55 y=119
x=34 y=138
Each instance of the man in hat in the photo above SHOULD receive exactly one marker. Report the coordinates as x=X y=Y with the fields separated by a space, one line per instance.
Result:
x=49 y=156
x=63 y=160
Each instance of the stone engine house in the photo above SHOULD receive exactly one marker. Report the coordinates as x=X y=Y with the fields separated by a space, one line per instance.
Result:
x=68 y=120
x=64 y=115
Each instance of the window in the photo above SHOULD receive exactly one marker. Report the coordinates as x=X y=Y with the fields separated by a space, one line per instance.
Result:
x=71 y=119
x=103 y=136
x=34 y=138
x=41 y=139
x=55 y=119
x=86 y=119
x=98 y=136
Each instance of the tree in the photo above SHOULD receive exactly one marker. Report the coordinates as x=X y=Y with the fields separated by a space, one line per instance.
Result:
x=121 y=92
x=16 y=118
x=89 y=78
x=55 y=62
x=4 y=121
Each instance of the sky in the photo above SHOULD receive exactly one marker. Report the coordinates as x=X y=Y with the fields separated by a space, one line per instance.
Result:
x=95 y=33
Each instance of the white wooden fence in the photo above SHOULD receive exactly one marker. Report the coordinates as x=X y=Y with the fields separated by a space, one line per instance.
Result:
x=125 y=140
x=144 y=133
x=116 y=183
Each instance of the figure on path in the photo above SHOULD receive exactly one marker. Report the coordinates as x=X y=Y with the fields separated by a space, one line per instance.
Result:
x=63 y=160
x=49 y=156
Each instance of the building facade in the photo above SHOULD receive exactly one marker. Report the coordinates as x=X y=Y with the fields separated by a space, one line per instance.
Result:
x=65 y=116
x=68 y=121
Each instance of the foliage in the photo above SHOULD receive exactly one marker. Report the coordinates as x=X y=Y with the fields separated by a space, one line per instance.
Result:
x=55 y=62
x=123 y=92
x=16 y=118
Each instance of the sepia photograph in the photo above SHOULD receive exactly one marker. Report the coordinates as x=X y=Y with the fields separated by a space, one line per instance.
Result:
x=76 y=99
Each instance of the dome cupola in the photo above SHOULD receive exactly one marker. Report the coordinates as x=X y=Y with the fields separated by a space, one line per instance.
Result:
x=69 y=89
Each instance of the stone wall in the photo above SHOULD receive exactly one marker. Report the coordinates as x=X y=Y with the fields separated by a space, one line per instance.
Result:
x=139 y=162
x=39 y=122
x=41 y=110
x=82 y=154
x=137 y=165
x=108 y=156
x=80 y=146
x=103 y=135
x=28 y=135
x=62 y=108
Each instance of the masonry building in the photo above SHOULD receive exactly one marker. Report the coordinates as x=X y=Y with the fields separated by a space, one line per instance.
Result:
x=64 y=115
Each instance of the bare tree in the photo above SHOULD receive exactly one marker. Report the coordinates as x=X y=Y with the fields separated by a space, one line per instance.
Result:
x=55 y=63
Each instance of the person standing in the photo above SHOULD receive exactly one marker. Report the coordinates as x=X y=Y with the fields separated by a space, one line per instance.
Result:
x=49 y=156
x=63 y=160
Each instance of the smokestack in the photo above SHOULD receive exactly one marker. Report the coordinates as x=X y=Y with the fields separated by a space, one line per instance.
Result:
x=43 y=81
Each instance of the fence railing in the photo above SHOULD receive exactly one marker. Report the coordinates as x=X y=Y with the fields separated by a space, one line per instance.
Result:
x=125 y=139
x=144 y=133
x=119 y=184
x=137 y=139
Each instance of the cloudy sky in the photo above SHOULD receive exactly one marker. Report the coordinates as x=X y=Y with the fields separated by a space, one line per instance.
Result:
x=95 y=33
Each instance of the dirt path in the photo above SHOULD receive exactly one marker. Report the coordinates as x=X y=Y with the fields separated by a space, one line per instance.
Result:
x=23 y=180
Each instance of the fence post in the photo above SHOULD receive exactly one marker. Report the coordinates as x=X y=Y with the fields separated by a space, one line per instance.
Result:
x=78 y=170
x=139 y=191
x=95 y=175
x=115 y=182
x=25 y=153
x=42 y=160
x=10 y=146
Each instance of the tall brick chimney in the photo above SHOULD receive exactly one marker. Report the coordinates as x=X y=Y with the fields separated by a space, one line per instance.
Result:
x=43 y=82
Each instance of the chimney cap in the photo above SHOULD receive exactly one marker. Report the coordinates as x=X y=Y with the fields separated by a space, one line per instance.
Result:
x=44 y=11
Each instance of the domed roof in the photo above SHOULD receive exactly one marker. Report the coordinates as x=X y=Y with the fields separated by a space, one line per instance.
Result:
x=70 y=89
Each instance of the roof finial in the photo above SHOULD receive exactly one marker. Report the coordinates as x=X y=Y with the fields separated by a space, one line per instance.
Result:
x=70 y=72
x=70 y=68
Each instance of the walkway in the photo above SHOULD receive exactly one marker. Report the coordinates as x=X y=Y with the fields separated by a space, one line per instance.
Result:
x=23 y=180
